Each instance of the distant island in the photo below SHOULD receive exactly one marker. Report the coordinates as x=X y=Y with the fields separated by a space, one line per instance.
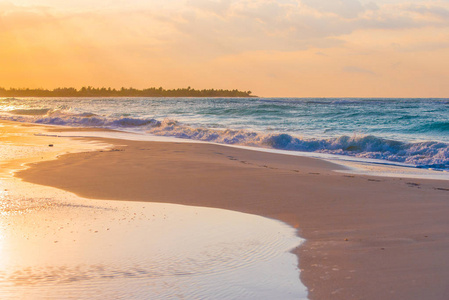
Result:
x=123 y=92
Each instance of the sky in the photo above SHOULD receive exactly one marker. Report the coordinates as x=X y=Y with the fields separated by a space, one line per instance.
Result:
x=284 y=48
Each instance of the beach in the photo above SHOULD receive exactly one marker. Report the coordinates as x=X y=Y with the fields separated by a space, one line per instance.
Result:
x=367 y=237
x=218 y=149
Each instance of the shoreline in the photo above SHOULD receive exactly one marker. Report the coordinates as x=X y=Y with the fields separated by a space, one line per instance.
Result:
x=347 y=164
x=366 y=236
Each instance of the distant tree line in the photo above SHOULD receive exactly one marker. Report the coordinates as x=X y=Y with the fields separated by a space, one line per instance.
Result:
x=123 y=92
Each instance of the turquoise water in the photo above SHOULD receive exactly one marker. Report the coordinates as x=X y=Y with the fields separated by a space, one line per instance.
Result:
x=410 y=131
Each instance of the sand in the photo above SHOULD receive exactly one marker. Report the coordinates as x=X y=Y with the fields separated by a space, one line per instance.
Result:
x=367 y=237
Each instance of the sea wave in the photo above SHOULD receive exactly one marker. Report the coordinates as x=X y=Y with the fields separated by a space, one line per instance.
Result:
x=64 y=116
x=434 y=127
x=427 y=154
x=30 y=112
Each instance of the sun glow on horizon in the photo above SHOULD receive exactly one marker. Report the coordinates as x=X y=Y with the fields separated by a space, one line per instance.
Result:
x=273 y=48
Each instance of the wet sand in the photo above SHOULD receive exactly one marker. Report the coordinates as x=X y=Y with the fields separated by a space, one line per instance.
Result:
x=367 y=237
x=56 y=245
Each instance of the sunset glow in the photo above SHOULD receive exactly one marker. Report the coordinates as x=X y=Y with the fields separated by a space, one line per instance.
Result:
x=297 y=48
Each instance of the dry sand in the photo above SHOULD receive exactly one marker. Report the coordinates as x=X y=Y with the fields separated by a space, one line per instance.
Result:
x=367 y=237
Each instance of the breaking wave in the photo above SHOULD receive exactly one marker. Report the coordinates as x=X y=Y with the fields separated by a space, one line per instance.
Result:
x=429 y=154
x=30 y=112
x=65 y=117
x=421 y=154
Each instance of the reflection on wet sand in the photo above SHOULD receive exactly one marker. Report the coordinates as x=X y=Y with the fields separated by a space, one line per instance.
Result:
x=59 y=245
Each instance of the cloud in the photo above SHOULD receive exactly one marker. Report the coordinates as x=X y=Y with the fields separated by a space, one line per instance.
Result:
x=343 y=8
x=218 y=7
x=428 y=46
x=13 y=17
x=253 y=26
x=221 y=27
x=436 y=11
x=354 y=69
x=211 y=28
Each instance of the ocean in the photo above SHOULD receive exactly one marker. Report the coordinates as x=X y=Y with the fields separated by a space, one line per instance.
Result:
x=412 y=132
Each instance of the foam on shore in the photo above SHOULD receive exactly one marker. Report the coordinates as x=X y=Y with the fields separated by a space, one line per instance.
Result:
x=353 y=165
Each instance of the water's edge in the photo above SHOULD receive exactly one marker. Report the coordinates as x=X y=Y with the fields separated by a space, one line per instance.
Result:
x=352 y=165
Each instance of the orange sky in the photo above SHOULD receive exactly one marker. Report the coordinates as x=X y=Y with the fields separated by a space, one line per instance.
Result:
x=302 y=48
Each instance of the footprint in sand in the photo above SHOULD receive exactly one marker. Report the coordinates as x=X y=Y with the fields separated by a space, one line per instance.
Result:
x=413 y=184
